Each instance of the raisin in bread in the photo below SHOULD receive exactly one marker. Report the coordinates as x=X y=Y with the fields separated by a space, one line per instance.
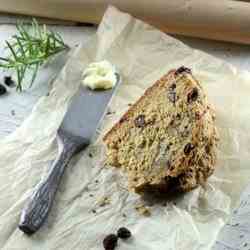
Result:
x=168 y=138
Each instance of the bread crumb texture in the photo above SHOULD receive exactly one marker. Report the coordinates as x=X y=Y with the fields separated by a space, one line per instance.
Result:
x=143 y=210
x=167 y=139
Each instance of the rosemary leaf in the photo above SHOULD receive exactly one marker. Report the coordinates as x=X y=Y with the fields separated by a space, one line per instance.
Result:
x=34 y=74
x=29 y=49
x=19 y=85
x=4 y=59
x=12 y=50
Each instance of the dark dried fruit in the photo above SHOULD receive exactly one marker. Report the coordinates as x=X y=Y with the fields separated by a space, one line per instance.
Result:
x=123 y=233
x=8 y=81
x=123 y=119
x=171 y=123
x=110 y=242
x=171 y=168
x=193 y=95
x=182 y=69
x=188 y=148
x=140 y=121
x=3 y=90
x=178 y=116
x=173 y=86
x=207 y=149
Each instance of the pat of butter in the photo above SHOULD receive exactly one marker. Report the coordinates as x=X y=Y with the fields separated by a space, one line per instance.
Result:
x=99 y=75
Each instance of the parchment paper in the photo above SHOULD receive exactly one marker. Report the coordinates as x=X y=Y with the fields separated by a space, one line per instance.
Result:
x=142 y=54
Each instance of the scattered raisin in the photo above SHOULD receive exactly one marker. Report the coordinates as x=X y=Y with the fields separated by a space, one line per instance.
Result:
x=182 y=69
x=173 y=86
x=193 y=95
x=123 y=233
x=110 y=242
x=171 y=168
x=90 y=155
x=140 y=121
x=171 y=123
x=207 y=149
x=96 y=181
x=124 y=215
x=123 y=119
x=93 y=211
x=178 y=116
x=8 y=81
x=188 y=148
x=3 y=90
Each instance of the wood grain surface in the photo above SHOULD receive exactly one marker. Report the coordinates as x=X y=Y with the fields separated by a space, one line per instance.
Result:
x=224 y=20
x=14 y=108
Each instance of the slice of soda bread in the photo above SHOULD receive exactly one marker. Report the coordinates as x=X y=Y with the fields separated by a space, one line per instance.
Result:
x=167 y=139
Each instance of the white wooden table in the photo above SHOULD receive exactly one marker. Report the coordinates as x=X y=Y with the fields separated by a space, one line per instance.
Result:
x=15 y=107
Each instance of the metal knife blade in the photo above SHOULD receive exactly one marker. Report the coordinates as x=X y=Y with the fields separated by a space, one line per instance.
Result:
x=75 y=133
x=87 y=110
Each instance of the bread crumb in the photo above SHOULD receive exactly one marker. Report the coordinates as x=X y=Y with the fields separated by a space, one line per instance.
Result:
x=104 y=201
x=143 y=210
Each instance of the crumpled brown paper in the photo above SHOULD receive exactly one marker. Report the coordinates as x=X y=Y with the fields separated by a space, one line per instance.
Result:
x=142 y=54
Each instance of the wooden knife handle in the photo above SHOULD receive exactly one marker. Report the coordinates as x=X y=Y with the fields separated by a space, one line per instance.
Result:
x=37 y=209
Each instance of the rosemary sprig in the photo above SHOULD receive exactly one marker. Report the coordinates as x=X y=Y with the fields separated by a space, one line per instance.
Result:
x=29 y=49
